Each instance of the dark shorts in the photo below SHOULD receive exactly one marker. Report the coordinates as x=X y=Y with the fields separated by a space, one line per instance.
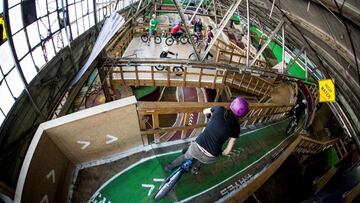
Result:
x=152 y=33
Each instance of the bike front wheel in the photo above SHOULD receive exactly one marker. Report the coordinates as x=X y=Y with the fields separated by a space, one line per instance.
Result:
x=158 y=40
x=192 y=56
x=168 y=184
x=144 y=37
x=169 y=41
x=291 y=127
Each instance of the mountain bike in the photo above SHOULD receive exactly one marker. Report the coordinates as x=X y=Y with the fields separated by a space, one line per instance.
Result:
x=169 y=183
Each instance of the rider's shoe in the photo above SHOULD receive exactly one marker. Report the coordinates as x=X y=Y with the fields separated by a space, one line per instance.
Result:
x=168 y=168
x=195 y=170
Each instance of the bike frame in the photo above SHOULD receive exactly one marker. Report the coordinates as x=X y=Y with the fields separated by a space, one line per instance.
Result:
x=169 y=183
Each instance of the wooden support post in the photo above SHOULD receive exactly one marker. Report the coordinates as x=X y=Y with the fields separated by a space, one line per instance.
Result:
x=136 y=77
x=152 y=76
x=218 y=93
x=184 y=78
x=200 y=76
x=168 y=75
x=122 y=75
x=155 y=122
x=104 y=84
x=214 y=81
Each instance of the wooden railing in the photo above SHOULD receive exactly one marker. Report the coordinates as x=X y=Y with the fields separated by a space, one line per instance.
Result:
x=202 y=75
x=231 y=53
x=321 y=181
x=258 y=113
x=234 y=58
x=309 y=145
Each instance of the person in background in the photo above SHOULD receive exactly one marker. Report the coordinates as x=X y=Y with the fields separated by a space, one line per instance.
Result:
x=198 y=28
x=210 y=36
x=177 y=31
x=153 y=27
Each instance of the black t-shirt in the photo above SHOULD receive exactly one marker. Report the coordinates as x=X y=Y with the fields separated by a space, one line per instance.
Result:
x=218 y=131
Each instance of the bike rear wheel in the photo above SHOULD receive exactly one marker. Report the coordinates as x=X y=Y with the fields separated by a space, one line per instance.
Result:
x=168 y=185
x=291 y=127
x=195 y=38
x=144 y=37
x=169 y=41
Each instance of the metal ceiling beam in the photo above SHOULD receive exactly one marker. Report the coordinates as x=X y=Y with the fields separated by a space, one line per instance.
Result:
x=197 y=9
x=223 y=23
x=267 y=42
x=179 y=9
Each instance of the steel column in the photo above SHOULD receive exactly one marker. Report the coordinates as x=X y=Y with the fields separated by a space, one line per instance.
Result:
x=295 y=59
x=267 y=42
x=193 y=16
x=283 y=48
x=179 y=9
x=248 y=33
x=223 y=23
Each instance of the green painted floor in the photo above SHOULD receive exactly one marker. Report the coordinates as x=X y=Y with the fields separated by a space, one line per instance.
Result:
x=134 y=185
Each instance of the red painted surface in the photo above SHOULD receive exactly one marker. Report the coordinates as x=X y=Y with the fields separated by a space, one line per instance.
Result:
x=190 y=95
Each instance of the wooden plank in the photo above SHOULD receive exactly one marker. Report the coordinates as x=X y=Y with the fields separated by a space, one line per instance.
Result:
x=155 y=122
x=254 y=185
x=184 y=77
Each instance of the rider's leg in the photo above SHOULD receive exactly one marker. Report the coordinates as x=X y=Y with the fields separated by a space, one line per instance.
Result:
x=177 y=162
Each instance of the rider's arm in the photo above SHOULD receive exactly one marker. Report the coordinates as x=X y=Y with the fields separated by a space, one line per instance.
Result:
x=207 y=111
x=229 y=146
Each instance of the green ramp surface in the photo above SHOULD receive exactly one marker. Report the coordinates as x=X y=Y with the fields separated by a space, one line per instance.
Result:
x=139 y=182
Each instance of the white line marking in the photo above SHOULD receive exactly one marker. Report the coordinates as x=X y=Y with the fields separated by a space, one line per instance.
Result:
x=150 y=186
x=112 y=139
x=52 y=175
x=158 y=179
x=84 y=143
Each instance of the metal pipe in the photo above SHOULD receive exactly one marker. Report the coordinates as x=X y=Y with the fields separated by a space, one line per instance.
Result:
x=267 y=42
x=248 y=33
x=193 y=16
x=283 y=48
x=222 y=26
x=179 y=9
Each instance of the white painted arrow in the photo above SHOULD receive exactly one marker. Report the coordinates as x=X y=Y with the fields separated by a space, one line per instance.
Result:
x=112 y=139
x=150 y=186
x=84 y=143
x=45 y=199
x=51 y=174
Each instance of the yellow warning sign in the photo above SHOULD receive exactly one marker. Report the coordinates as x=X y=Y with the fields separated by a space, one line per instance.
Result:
x=326 y=91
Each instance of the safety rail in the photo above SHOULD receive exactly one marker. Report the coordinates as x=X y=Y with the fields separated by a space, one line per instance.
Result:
x=235 y=58
x=309 y=145
x=259 y=113
x=204 y=75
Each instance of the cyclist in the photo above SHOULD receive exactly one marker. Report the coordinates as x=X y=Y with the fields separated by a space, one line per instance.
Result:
x=222 y=126
x=198 y=28
x=210 y=36
x=299 y=110
x=152 y=28
x=177 y=31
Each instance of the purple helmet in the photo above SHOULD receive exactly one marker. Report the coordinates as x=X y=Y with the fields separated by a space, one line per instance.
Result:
x=240 y=107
